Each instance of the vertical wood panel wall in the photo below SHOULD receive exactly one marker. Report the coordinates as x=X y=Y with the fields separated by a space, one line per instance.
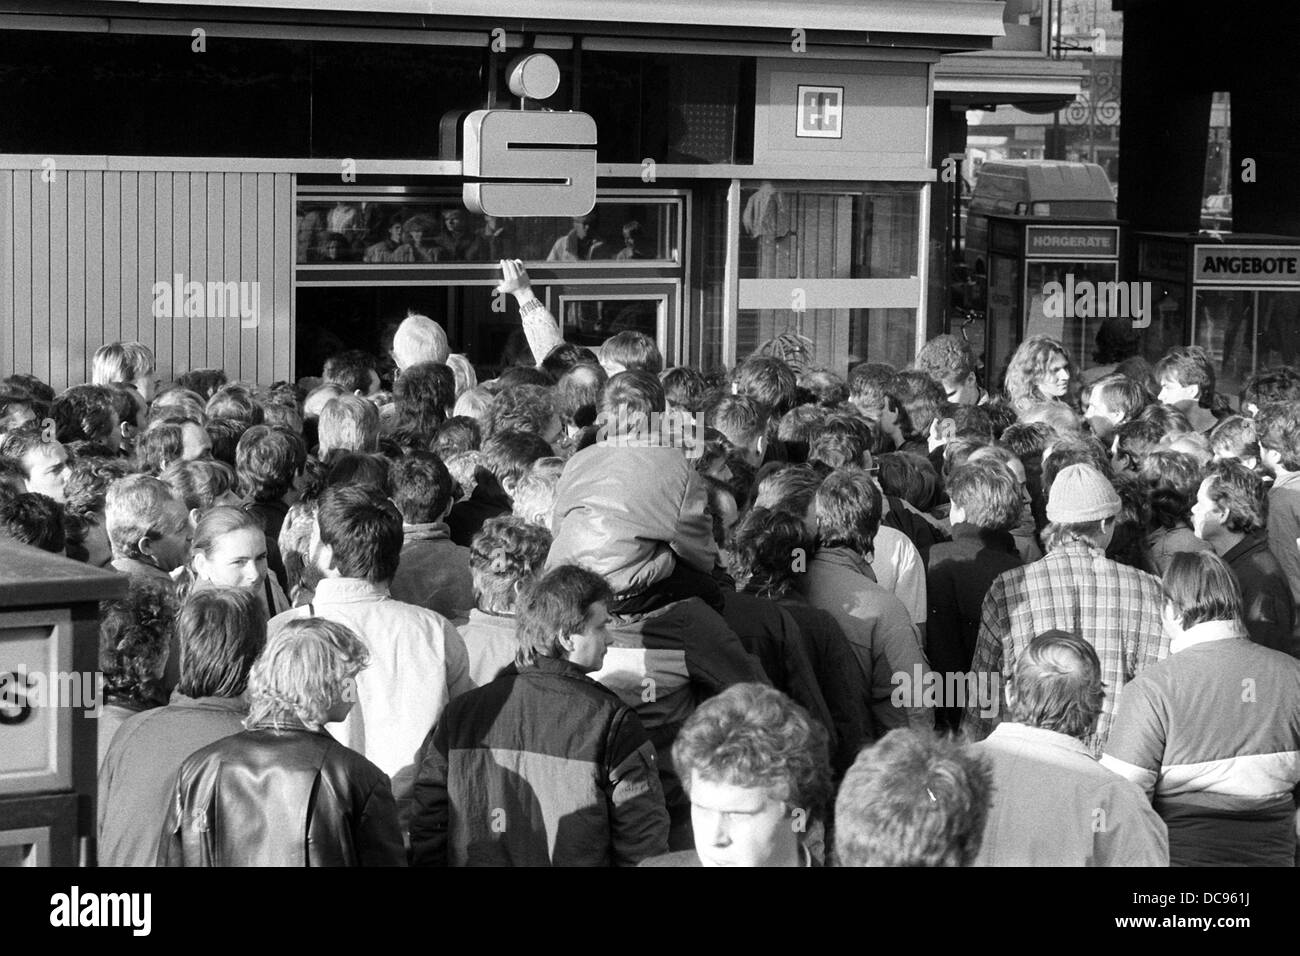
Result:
x=79 y=258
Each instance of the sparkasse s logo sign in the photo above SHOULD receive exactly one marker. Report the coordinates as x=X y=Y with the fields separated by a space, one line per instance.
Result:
x=535 y=163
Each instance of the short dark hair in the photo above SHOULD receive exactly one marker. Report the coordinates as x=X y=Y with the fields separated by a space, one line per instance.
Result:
x=1201 y=587
x=204 y=382
x=988 y=493
x=225 y=433
x=266 y=461
x=1234 y=437
x=769 y=382
x=909 y=476
x=524 y=408
x=921 y=398
x=553 y=606
x=1189 y=365
x=841 y=440
x=1241 y=492
x=360 y=469
x=1058 y=685
x=1278 y=427
x=739 y=418
x=517 y=375
x=83 y=413
x=848 y=510
x=565 y=356
x=33 y=519
x=1083 y=450
x=29 y=385
x=422 y=395
x=1170 y=419
x=507 y=551
x=913 y=799
x=220 y=631
x=422 y=487
x=684 y=388
x=1135 y=440
x=350 y=371
x=365 y=532
x=234 y=401
x=872 y=385
x=635 y=351
x=790 y=487
x=1027 y=440
x=754 y=736
x=509 y=454
x=824 y=387
x=458 y=433
x=1171 y=479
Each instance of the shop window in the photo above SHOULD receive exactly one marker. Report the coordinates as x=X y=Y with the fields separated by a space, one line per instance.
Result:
x=837 y=339
x=440 y=231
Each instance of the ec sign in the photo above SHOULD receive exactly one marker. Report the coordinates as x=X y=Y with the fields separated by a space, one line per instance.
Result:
x=533 y=163
x=821 y=112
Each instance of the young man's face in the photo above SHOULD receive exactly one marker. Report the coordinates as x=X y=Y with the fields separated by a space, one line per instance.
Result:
x=1101 y=417
x=740 y=826
x=47 y=470
x=1207 y=518
x=589 y=646
x=1172 y=393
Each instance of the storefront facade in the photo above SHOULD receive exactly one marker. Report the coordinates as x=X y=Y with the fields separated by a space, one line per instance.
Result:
x=255 y=186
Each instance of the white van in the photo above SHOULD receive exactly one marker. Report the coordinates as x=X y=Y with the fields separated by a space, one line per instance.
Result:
x=1050 y=188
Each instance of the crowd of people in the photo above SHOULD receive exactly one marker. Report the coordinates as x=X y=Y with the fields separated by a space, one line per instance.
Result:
x=596 y=611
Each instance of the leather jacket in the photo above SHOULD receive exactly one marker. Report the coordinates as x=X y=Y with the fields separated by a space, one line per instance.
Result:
x=288 y=797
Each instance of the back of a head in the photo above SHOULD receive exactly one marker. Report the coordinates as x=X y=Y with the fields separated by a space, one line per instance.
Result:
x=684 y=388
x=307 y=666
x=364 y=532
x=33 y=519
x=204 y=382
x=510 y=454
x=1201 y=588
x=1080 y=450
x=769 y=382
x=419 y=339
x=348 y=423
x=234 y=401
x=848 y=510
x=1058 y=686
x=83 y=413
x=221 y=631
x=921 y=398
x=1171 y=479
x=527 y=408
x=422 y=487
x=913 y=799
x=792 y=487
x=515 y=375
x=842 y=440
x=565 y=356
x=135 y=633
x=136 y=507
x=534 y=496
x=632 y=352
x=267 y=460
x=823 y=387
x=871 y=385
x=947 y=359
x=1277 y=427
x=578 y=394
x=424 y=394
x=507 y=553
x=112 y=363
x=630 y=399
x=987 y=494
x=766 y=546
x=739 y=418
x=1280 y=384
x=359 y=470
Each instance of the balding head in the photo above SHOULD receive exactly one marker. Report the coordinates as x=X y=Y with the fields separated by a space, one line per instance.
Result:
x=1057 y=685
x=419 y=339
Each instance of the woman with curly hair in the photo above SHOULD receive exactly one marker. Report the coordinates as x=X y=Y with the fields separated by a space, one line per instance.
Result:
x=136 y=637
x=505 y=555
x=1040 y=371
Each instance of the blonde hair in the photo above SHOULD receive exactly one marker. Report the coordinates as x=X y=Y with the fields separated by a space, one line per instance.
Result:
x=112 y=364
x=348 y=423
x=308 y=665
x=466 y=378
x=419 y=338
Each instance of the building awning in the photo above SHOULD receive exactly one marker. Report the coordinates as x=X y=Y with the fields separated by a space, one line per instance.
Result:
x=1035 y=84
x=946 y=24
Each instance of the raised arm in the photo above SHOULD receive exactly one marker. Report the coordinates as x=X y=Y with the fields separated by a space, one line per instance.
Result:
x=540 y=328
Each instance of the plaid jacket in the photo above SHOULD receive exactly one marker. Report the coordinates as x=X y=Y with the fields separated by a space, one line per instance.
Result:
x=1077 y=589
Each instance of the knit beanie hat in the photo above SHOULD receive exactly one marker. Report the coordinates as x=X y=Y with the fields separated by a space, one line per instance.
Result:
x=1081 y=494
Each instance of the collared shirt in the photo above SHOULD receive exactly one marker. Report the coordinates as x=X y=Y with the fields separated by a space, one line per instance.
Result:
x=1206 y=631
x=1076 y=589
x=1054 y=805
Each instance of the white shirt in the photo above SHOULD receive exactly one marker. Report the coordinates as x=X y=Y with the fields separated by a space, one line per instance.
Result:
x=418 y=663
x=898 y=568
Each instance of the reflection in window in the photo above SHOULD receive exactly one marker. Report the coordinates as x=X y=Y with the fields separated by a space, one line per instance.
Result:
x=442 y=231
x=836 y=339
x=856 y=232
x=590 y=320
